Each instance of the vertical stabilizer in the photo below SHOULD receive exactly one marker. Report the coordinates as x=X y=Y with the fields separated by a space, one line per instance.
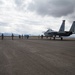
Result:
x=62 y=28
x=72 y=29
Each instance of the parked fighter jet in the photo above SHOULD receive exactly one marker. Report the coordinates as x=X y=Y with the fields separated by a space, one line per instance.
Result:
x=50 y=33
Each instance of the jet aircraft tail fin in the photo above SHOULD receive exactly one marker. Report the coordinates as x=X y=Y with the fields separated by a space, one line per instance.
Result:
x=72 y=29
x=62 y=28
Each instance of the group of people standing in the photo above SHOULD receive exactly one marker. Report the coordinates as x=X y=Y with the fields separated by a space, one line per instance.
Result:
x=20 y=36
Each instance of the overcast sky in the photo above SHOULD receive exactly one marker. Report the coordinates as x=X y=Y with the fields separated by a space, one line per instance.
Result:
x=35 y=16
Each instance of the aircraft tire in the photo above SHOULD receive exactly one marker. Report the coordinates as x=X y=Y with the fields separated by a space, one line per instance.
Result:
x=61 y=38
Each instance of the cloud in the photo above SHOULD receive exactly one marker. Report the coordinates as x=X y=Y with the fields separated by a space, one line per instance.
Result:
x=19 y=2
x=1 y=2
x=13 y=20
x=15 y=16
x=55 y=8
x=21 y=5
x=3 y=24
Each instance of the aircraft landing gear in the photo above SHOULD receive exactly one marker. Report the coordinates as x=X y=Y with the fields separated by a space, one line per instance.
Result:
x=54 y=38
x=50 y=38
x=61 y=38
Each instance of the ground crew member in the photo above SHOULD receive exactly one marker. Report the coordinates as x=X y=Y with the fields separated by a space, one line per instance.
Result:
x=2 y=36
x=12 y=36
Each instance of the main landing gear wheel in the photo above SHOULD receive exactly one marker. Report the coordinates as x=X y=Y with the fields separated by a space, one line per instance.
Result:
x=61 y=38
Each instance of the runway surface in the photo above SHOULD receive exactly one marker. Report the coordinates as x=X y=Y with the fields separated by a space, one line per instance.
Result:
x=37 y=57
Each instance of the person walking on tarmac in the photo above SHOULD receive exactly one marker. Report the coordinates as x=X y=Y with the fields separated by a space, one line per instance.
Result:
x=2 y=36
x=12 y=36
x=41 y=36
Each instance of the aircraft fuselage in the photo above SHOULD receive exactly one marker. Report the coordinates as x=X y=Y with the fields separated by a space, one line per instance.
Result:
x=65 y=33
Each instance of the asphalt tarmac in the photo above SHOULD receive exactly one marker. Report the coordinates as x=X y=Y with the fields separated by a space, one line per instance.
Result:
x=37 y=57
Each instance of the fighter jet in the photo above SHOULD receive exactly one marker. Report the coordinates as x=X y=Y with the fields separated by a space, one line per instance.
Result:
x=51 y=33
